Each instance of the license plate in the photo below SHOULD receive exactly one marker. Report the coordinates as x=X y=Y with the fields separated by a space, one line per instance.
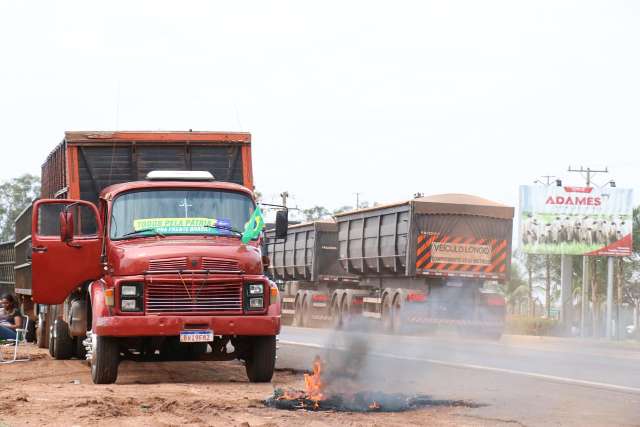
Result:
x=196 y=336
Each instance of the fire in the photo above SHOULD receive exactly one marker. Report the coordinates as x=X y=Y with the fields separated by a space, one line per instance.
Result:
x=374 y=405
x=314 y=386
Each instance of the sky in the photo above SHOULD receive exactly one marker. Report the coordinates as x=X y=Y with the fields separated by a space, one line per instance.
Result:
x=384 y=99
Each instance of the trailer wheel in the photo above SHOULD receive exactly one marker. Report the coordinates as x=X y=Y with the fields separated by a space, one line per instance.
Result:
x=79 y=349
x=105 y=357
x=297 y=316
x=387 y=314
x=396 y=315
x=63 y=343
x=306 y=313
x=261 y=360
x=336 y=313
x=346 y=314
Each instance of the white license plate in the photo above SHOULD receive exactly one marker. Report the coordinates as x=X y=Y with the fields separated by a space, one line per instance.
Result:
x=196 y=336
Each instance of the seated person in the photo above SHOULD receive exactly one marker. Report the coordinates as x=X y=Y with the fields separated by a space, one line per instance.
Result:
x=12 y=318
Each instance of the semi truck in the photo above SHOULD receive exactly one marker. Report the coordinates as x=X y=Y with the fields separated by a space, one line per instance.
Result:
x=412 y=266
x=136 y=250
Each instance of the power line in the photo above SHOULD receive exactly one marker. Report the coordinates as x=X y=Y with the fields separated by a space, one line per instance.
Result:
x=588 y=171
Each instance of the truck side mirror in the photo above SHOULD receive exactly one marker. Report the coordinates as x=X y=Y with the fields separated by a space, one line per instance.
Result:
x=66 y=225
x=282 y=224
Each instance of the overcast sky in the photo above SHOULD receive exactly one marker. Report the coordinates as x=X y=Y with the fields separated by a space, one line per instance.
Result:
x=382 y=98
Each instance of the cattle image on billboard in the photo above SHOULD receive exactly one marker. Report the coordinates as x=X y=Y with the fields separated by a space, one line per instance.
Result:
x=576 y=220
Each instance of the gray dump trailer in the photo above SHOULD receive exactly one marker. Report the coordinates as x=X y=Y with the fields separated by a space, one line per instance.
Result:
x=414 y=265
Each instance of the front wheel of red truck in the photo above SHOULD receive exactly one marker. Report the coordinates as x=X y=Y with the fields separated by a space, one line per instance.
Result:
x=261 y=360
x=105 y=357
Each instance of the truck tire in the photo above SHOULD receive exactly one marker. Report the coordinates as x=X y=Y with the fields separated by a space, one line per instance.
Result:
x=297 y=316
x=42 y=332
x=105 y=358
x=62 y=342
x=261 y=361
x=79 y=349
x=51 y=341
x=387 y=314
x=346 y=313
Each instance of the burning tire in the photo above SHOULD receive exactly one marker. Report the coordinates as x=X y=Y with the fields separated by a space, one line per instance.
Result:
x=105 y=357
x=261 y=360
x=62 y=342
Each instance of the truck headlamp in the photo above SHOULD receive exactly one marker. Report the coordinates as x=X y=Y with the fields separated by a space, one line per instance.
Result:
x=129 y=290
x=129 y=305
x=256 y=289
x=257 y=302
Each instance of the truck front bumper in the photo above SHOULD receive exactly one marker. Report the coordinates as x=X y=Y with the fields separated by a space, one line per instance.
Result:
x=142 y=326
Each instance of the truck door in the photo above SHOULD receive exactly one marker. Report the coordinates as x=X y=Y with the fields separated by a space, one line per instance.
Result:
x=66 y=246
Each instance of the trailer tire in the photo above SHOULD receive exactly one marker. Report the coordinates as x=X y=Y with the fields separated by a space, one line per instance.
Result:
x=79 y=349
x=306 y=313
x=397 y=325
x=297 y=316
x=346 y=313
x=105 y=359
x=387 y=314
x=336 y=313
x=62 y=342
x=261 y=360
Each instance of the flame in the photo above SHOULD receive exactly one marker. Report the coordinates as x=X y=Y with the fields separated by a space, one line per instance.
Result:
x=314 y=386
x=374 y=405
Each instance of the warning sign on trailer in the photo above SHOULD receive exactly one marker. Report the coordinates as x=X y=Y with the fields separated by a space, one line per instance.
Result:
x=461 y=253
x=443 y=255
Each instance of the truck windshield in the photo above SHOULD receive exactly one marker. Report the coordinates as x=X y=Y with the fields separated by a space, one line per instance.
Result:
x=166 y=212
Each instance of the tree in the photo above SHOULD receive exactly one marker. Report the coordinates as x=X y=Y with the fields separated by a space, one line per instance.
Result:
x=15 y=195
x=315 y=213
x=342 y=209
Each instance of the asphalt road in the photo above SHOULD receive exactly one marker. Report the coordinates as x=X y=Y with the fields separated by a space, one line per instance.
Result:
x=519 y=380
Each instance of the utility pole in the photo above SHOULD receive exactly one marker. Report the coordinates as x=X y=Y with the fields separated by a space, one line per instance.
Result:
x=358 y=200
x=584 y=306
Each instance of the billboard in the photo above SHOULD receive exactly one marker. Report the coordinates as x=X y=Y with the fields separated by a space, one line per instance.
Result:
x=576 y=220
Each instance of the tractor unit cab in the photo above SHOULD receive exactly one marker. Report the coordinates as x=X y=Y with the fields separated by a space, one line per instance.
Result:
x=168 y=266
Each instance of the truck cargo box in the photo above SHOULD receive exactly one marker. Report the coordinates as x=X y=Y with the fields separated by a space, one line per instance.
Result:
x=443 y=235
x=309 y=253
x=86 y=162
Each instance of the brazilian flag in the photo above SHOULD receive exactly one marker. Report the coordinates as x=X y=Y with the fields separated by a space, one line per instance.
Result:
x=253 y=227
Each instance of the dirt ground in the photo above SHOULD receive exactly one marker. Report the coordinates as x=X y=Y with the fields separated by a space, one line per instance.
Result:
x=44 y=391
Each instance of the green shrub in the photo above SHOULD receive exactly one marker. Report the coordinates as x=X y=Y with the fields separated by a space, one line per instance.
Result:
x=538 y=326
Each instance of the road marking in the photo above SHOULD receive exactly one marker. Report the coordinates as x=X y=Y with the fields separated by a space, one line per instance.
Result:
x=546 y=377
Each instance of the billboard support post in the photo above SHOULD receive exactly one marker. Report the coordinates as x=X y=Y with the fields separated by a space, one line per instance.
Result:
x=584 y=305
x=566 y=315
x=609 y=314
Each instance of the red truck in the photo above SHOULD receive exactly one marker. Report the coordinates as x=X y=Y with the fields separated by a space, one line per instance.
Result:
x=136 y=251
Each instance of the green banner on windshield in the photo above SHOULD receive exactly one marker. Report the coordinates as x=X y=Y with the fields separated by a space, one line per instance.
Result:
x=182 y=225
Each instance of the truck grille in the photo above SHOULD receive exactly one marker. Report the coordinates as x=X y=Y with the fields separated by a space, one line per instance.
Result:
x=195 y=297
x=168 y=264
x=220 y=265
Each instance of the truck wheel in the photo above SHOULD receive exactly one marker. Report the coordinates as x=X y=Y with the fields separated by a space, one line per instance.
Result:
x=42 y=332
x=79 y=349
x=262 y=359
x=105 y=357
x=63 y=343
x=52 y=342
x=346 y=313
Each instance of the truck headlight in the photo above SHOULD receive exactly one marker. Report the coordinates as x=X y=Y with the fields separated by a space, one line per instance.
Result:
x=129 y=305
x=256 y=289
x=129 y=291
x=257 y=302
x=131 y=295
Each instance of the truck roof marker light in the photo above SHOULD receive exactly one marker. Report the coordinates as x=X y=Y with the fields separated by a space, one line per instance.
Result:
x=109 y=299
x=162 y=175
